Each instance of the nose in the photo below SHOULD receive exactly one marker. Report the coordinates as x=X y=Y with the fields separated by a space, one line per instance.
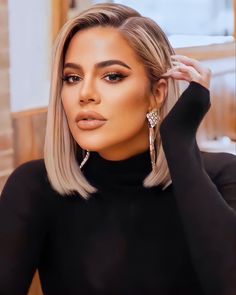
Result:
x=88 y=93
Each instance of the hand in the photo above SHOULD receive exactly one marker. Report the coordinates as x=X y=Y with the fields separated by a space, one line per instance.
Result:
x=178 y=129
x=188 y=69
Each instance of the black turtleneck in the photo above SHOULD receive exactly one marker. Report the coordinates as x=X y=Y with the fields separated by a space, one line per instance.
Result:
x=126 y=239
x=129 y=172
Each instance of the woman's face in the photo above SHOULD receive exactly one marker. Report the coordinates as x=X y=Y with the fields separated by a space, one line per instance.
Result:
x=106 y=94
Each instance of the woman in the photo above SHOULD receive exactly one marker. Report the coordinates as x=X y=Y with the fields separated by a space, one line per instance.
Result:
x=123 y=202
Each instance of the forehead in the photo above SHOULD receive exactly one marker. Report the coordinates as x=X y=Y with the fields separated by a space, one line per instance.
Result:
x=100 y=43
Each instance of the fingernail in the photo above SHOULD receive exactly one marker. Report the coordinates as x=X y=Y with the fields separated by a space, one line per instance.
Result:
x=176 y=63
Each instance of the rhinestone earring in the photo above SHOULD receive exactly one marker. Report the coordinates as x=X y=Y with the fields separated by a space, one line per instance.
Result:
x=86 y=157
x=153 y=118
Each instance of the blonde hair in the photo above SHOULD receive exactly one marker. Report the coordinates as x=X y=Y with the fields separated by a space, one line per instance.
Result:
x=152 y=47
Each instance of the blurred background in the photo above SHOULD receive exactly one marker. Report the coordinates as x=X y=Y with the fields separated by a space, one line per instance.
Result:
x=202 y=29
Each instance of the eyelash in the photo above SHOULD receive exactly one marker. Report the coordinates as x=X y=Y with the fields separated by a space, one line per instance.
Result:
x=119 y=75
x=67 y=78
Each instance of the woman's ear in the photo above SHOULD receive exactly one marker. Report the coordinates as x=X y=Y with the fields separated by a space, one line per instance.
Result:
x=159 y=93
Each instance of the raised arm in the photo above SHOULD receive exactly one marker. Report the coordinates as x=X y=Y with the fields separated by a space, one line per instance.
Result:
x=208 y=220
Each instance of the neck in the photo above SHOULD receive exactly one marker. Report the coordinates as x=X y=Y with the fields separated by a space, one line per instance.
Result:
x=106 y=173
x=128 y=149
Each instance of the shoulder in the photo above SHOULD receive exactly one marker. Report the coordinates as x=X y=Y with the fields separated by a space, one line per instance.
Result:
x=33 y=166
x=221 y=167
x=29 y=177
x=32 y=171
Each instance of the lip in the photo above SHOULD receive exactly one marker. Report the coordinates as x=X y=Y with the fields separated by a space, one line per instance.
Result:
x=96 y=120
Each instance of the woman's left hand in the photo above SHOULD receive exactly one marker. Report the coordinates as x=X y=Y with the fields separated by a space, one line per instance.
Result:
x=189 y=69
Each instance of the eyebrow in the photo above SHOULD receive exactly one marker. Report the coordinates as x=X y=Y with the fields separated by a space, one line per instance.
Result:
x=102 y=64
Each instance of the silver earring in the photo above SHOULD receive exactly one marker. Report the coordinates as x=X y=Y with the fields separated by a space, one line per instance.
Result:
x=86 y=157
x=153 y=118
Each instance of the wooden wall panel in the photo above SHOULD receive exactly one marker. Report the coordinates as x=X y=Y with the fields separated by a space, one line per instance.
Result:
x=29 y=132
x=59 y=16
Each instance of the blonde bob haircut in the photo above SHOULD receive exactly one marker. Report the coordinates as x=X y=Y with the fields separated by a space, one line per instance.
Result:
x=152 y=47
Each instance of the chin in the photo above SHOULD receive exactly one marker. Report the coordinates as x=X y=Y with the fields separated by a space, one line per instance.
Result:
x=92 y=145
x=94 y=142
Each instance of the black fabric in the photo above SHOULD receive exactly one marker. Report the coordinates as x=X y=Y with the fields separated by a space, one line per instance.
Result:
x=127 y=239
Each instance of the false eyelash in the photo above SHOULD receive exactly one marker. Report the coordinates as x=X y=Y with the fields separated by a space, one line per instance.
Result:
x=118 y=75
x=67 y=77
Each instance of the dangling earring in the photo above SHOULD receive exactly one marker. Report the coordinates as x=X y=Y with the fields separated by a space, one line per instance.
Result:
x=153 y=118
x=85 y=158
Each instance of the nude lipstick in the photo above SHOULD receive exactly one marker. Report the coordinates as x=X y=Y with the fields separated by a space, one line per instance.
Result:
x=89 y=120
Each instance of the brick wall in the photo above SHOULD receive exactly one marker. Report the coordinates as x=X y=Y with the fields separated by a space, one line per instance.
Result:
x=6 y=140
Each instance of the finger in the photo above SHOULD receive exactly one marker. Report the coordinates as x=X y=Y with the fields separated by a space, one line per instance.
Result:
x=188 y=71
x=189 y=62
x=175 y=73
x=186 y=76
x=180 y=76
x=182 y=67
x=203 y=77
x=206 y=72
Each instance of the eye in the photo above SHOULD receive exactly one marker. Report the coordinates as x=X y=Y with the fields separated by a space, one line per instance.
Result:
x=71 y=79
x=114 y=77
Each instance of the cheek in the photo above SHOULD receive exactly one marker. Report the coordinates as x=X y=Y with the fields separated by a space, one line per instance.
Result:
x=130 y=107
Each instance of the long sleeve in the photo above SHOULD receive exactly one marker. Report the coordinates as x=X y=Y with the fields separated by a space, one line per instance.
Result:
x=21 y=230
x=209 y=221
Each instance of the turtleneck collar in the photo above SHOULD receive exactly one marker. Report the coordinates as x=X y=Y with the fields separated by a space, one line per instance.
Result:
x=131 y=171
